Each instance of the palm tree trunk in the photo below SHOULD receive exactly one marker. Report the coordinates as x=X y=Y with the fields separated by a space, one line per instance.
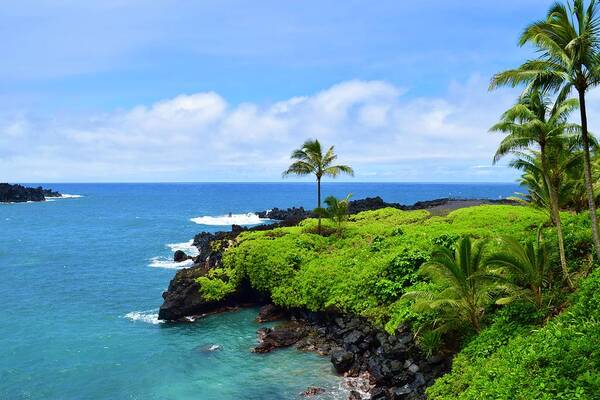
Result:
x=319 y=204
x=587 y=172
x=554 y=209
x=555 y=214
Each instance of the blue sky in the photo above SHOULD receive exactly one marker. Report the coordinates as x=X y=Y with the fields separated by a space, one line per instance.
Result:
x=224 y=90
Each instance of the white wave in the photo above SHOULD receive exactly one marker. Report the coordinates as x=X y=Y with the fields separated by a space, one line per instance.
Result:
x=149 y=317
x=187 y=247
x=63 y=196
x=161 y=262
x=234 y=219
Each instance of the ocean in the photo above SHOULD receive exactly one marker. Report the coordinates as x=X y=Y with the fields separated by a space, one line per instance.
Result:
x=82 y=278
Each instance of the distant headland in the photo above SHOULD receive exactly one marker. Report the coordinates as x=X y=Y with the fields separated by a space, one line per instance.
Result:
x=21 y=194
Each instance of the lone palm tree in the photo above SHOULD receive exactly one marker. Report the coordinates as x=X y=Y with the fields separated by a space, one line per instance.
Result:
x=568 y=41
x=310 y=160
x=535 y=121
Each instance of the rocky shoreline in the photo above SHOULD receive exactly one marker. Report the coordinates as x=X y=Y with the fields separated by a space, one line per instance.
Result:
x=387 y=366
x=391 y=364
x=21 y=194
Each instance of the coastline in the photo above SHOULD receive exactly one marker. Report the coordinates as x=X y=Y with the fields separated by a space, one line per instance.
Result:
x=391 y=363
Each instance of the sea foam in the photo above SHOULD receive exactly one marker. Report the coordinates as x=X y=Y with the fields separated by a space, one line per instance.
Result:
x=149 y=317
x=187 y=247
x=63 y=196
x=162 y=262
x=234 y=219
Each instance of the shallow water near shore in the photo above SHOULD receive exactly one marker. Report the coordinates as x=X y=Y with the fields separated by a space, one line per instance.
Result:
x=81 y=283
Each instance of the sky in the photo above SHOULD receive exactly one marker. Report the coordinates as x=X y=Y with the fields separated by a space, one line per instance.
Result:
x=194 y=91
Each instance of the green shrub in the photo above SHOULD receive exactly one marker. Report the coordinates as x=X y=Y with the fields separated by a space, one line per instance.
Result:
x=512 y=361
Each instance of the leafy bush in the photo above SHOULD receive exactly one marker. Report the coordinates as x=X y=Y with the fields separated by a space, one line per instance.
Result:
x=512 y=361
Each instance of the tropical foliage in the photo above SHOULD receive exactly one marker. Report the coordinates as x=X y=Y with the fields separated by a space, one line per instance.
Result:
x=515 y=359
x=534 y=120
x=466 y=286
x=525 y=269
x=336 y=211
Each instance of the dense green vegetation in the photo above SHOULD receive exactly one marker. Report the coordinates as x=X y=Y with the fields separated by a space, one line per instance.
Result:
x=515 y=359
x=368 y=267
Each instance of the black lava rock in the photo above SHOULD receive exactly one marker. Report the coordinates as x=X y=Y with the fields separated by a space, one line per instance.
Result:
x=20 y=194
x=342 y=360
x=180 y=256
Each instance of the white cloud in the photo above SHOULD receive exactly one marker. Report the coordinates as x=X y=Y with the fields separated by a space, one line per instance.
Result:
x=377 y=127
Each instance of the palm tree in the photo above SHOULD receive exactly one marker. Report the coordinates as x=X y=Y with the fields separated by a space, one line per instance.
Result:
x=568 y=42
x=337 y=210
x=467 y=286
x=526 y=267
x=310 y=160
x=533 y=120
x=565 y=176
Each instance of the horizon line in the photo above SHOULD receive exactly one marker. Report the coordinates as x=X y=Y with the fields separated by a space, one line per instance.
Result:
x=269 y=182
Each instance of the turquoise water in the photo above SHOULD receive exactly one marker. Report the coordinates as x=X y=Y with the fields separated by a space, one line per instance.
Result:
x=81 y=283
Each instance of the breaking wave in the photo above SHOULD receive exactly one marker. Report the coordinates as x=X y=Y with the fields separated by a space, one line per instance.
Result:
x=63 y=196
x=149 y=317
x=187 y=247
x=162 y=262
x=233 y=219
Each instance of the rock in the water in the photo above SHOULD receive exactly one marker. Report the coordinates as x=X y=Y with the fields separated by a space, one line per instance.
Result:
x=270 y=312
x=342 y=360
x=180 y=256
x=281 y=336
x=183 y=296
